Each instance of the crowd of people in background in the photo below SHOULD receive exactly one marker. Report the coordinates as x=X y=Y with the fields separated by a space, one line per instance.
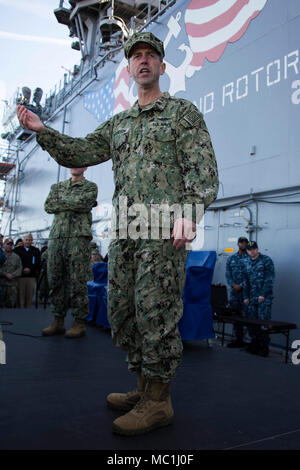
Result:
x=23 y=271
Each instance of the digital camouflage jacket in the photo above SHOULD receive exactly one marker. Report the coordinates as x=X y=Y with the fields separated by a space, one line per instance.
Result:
x=161 y=154
x=259 y=277
x=71 y=205
x=12 y=265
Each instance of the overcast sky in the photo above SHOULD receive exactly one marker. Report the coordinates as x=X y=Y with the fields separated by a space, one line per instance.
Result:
x=33 y=47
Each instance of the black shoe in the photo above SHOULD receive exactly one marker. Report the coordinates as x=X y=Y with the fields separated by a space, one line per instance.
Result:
x=263 y=351
x=236 y=344
x=252 y=348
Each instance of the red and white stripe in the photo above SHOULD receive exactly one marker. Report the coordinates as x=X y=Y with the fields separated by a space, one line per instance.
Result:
x=121 y=88
x=211 y=24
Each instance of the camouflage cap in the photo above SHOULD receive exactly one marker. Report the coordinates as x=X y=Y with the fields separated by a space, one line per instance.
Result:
x=8 y=240
x=148 y=38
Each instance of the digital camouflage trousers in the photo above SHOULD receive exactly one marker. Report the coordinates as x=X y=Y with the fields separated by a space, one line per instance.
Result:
x=68 y=266
x=10 y=294
x=146 y=280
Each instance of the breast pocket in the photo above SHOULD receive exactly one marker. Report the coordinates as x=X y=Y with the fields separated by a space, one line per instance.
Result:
x=120 y=138
x=160 y=145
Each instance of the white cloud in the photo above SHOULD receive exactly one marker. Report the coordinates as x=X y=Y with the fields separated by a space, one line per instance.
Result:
x=28 y=37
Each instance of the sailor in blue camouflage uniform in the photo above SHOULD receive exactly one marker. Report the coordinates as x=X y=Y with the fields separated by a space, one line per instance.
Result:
x=162 y=155
x=235 y=276
x=258 y=295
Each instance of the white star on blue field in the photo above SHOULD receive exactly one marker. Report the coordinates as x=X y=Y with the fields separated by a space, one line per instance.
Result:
x=101 y=102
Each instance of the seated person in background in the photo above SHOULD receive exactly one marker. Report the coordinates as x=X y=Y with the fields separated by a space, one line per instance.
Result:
x=95 y=258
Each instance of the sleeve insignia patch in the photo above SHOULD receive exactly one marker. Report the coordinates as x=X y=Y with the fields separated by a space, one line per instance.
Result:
x=193 y=118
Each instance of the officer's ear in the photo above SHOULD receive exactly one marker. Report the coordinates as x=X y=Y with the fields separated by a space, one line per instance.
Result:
x=162 y=68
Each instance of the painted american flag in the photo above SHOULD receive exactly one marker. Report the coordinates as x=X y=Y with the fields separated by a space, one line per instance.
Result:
x=121 y=88
x=212 y=24
x=111 y=98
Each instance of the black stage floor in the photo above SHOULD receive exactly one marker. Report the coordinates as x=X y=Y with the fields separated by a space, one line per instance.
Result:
x=52 y=394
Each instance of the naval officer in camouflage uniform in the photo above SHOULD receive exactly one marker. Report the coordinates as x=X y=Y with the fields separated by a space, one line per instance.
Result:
x=234 y=277
x=71 y=203
x=10 y=271
x=162 y=154
x=258 y=295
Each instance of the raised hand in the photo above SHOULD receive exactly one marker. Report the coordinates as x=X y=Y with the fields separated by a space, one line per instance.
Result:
x=28 y=119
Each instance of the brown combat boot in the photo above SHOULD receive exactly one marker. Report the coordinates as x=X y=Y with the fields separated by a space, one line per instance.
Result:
x=77 y=330
x=126 y=401
x=56 y=328
x=152 y=411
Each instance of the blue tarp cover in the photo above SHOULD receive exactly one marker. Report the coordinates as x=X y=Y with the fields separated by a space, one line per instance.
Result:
x=97 y=292
x=197 y=322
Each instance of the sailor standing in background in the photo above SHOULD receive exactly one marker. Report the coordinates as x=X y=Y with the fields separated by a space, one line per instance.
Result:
x=258 y=295
x=162 y=154
x=69 y=256
x=234 y=277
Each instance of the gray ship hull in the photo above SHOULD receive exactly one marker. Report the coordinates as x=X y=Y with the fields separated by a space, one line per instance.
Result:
x=242 y=72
